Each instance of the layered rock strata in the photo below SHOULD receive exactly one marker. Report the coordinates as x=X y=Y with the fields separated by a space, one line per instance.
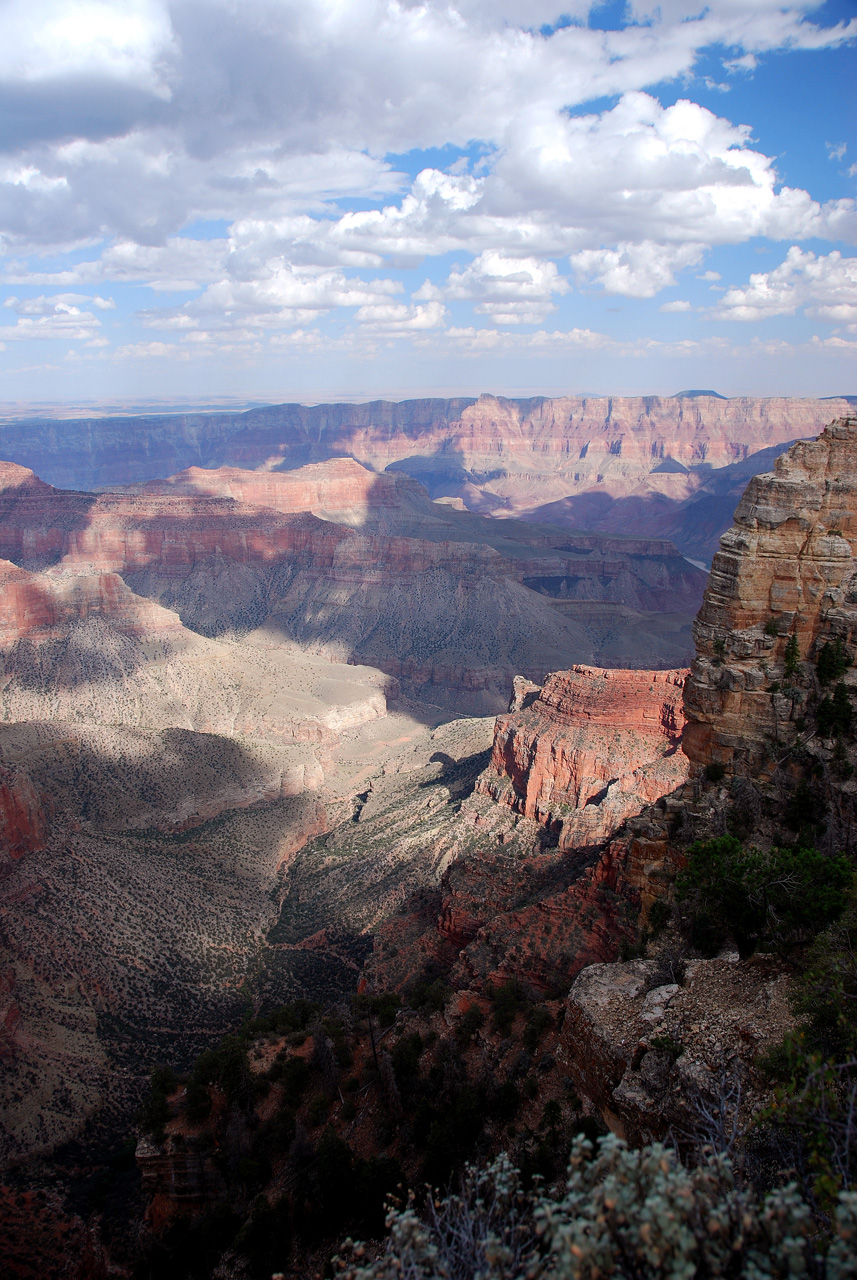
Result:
x=589 y=749
x=782 y=584
x=447 y=602
x=522 y=451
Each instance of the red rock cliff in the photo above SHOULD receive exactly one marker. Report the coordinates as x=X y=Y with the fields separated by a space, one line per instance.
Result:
x=786 y=569
x=589 y=749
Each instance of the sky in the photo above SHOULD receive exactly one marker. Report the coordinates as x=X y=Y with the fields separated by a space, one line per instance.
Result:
x=312 y=199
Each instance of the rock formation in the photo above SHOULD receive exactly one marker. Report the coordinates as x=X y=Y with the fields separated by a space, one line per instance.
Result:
x=450 y=603
x=644 y=1044
x=635 y=463
x=783 y=580
x=462 y=440
x=588 y=750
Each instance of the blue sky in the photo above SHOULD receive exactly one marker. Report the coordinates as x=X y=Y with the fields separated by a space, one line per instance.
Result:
x=329 y=198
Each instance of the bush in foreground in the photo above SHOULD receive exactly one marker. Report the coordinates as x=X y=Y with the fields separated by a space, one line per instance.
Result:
x=633 y=1215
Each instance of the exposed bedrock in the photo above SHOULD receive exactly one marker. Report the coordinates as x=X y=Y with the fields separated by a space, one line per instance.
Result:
x=785 y=576
x=492 y=440
x=647 y=1049
x=450 y=603
x=589 y=749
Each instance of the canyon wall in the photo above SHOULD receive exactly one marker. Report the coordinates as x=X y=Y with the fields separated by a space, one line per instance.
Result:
x=639 y=463
x=450 y=603
x=588 y=750
x=784 y=575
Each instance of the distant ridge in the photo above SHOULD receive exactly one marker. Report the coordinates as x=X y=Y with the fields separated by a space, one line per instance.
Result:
x=685 y=395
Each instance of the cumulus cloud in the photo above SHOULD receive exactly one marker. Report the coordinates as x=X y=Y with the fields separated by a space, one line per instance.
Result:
x=399 y=318
x=509 y=290
x=825 y=286
x=60 y=316
x=129 y=124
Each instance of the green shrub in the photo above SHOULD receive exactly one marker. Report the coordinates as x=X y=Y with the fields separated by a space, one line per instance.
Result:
x=659 y=914
x=506 y=1101
x=405 y=1056
x=715 y=771
x=624 y=1215
x=154 y=1111
x=197 y=1102
x=296 y=1016
x=507 y=1002
x=537 y=1024
x=834 y=714
x=293 y=1074
x=226 y=1066
x=318 y=1109
x=468 y=1024
x=826 y=996
x=428 y=997
x=791 y=658
x=776 y=899
x=832 y=662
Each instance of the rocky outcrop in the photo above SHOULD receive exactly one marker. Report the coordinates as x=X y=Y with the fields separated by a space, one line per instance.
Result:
x=653 y=1043
x=42 y=606
x=784 y=578
x=588 y=750
x=340 y=490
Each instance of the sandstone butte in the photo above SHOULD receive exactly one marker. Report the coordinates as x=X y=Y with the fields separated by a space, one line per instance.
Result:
x=588 y=750
x=786 y=569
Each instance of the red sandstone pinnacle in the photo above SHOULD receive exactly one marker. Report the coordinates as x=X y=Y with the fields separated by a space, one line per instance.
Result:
x=786 y=568
x=589 y=750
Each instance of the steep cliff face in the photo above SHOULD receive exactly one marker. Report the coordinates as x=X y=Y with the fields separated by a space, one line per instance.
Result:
x=588 y=750
x=782 y=584
x=449 y=602
x=509 y=448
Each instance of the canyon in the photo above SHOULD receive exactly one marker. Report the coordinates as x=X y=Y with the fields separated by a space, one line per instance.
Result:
x=198 y=676
x=230 y=777
x=653 y=466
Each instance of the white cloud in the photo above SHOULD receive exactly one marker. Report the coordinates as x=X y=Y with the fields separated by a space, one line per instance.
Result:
x=825 y=286
x=85 y=37
x=57 y=317
x=636 y=270
x=678 y=304
x=399 y=318
x=279 y=295
x=57 y=304
x=124 y=122
x=508 y=290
